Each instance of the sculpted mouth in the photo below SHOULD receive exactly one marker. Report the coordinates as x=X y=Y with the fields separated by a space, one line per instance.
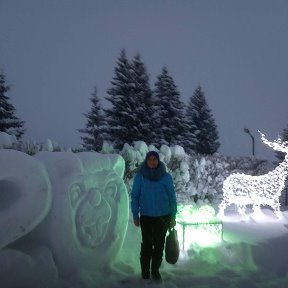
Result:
x=95 y=233
x=92 y=223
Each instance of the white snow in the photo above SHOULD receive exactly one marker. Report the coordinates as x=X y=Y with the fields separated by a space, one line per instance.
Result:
x=6 y=140
x=25 y=195
x=88 y=240
x=252 y=254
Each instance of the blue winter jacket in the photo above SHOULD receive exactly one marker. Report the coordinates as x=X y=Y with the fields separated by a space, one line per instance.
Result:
x=153 y=197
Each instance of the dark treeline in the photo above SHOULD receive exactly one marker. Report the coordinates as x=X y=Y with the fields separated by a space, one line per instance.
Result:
x=156 y=116
x=9 y=122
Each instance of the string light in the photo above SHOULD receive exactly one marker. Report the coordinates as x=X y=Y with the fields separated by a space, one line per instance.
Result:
x=241 y=190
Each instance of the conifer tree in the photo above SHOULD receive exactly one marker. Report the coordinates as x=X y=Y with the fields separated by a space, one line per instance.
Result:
x=201 y=132
x=130 y=96
x=142 y=95
x=284 y=137
x=9 y=123
x=120 y=116
x=169 y=111
x=94 y=132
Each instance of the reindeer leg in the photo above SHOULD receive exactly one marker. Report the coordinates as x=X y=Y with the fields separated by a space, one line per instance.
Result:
x=256 y=209
x=276 y=208
x=223 y=205
x=241 y=211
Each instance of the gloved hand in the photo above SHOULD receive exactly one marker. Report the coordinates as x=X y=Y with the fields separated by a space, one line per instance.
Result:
x=172 y=222
x=136 y=222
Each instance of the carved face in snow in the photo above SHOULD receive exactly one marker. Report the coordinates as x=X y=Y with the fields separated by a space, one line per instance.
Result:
x=94 y=208
x=88 y=220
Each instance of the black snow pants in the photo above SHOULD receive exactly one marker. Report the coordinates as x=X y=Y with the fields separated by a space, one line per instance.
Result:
x=154 y=231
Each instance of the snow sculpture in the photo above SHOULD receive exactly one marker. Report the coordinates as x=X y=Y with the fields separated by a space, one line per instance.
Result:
x=25 y=199
x=241 y=189
x=34 y=269
x=88 y=219
x=25 y=194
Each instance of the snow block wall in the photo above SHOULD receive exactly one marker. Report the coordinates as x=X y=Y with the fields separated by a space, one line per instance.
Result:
x=85 y=204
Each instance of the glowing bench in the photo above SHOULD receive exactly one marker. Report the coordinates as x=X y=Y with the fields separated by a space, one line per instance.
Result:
x=198 y=226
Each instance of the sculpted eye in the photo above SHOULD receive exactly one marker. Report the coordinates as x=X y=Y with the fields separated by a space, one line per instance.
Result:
x=75 y=194
x=111 y=190
x=94 y=197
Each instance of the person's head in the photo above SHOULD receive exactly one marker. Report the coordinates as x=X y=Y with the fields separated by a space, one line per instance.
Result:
x=152 y=159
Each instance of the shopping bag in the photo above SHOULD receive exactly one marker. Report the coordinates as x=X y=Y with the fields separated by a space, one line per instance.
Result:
x=172 y=249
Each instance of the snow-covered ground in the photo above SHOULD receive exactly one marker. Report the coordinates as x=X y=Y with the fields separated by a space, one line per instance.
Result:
x=252 y=254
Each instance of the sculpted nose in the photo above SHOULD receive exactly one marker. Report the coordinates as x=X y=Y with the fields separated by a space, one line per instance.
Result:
x=97 y=209
x=94 y=197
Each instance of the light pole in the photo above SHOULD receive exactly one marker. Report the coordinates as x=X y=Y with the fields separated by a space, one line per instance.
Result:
x=246 y=130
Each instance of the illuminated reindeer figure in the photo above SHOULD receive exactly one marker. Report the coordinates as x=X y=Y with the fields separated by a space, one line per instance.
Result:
x=241 y=189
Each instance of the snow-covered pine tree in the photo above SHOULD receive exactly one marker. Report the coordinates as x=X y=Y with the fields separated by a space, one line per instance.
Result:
x=284 y=137
x=201 y=132
x=9 y=123
x=144 y=124
x=169 y=111
x=120 y=116
x=94 y=131
x=128 y=119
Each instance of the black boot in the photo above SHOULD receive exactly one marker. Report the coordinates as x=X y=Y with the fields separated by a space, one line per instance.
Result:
x=145 y=268
x=155 y=270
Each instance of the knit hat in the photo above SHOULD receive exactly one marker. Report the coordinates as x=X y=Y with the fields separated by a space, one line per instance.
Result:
x=152 y=153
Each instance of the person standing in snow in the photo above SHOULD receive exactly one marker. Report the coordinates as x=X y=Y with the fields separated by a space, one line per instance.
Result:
x=153 y=198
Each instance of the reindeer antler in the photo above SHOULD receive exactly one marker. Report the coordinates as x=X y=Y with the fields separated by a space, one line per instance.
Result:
x=277 y=144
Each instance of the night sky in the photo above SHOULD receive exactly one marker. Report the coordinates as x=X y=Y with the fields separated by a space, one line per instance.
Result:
x=54 y=52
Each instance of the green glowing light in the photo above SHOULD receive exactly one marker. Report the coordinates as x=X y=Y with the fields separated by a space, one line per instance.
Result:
x=190 y=214
x=198 y=226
